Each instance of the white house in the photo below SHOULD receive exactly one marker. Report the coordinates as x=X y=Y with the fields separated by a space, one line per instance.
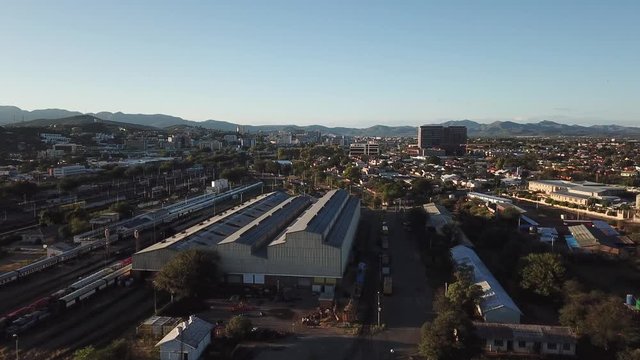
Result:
x=187 y=341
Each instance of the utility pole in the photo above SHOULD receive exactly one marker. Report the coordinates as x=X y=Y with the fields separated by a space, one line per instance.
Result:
x=106 y=236
x=15 y=336
x=379 y=308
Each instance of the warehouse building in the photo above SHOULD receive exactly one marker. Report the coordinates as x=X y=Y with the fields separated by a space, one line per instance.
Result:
x=272 y=239
x=495 y=304
x=576 y=192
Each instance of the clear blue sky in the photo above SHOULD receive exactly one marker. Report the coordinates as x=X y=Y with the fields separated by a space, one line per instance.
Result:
x=348 y=63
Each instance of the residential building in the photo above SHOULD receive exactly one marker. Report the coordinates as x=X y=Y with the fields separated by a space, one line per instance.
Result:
x=188 y=340
x=525 y=339
x=54 y=138
x=71 y=170
x=364 y=149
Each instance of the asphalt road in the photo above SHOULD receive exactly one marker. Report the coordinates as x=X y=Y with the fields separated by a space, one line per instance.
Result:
x=403 y=312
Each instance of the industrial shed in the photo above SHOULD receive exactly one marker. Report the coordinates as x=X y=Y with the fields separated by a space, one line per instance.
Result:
x=495 y=304
x=272 y=239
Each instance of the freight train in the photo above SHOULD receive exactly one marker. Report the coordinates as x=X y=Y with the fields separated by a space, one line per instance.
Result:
x=24 y=318
x=95 y=239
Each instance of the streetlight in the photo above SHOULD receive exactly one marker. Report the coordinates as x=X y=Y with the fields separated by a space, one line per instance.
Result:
x=379 y=308
x=15 y=337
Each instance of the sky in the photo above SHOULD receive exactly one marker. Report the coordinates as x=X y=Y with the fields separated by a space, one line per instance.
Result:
x=336 y=63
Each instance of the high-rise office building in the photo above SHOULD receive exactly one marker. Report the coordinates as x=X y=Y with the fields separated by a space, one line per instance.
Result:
x=452 y=139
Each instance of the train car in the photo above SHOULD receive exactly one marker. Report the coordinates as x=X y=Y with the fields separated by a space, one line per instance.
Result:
x=58 y=294
x=127 y=261
x=71 y=299
x=40 y=303
x=68 y=255
x=100 y=284
x=116 y=275
x=9 y=277
x=68 y=300
x=17 y=313
x=37 y=266
x=90 y=279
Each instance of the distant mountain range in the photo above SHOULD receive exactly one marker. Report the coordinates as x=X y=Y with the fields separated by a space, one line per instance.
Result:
x=41 y=118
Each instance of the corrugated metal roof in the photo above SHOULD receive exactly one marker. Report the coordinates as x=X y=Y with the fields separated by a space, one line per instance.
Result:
x=327 y=215
x=190 y=332
x=271 y=223
x=605 y=228
x=320 y=218
x=214 y=229
x=337 y=235
x=494 y=296
x=583 y=236
x=525 y=332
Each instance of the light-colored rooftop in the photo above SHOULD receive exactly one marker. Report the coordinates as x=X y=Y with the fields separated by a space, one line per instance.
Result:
x=494 y=296
x=190 y=332
x=583 y=236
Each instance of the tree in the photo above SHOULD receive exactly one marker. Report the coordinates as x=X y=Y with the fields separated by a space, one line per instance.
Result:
x=392 y=191
x=235 y=174
x=417 y=216
x=421 y=188
x=629 y=354
x=78 y=226
x=118 y=349
x=189 y=273
x=603 y=319
x=352 y=173
x=238 y=327
x=542 y=273
x=51 y=217
x=607 y=323
x=123 y=208
x=449 y=336
x=85 y=353
x=463 y=293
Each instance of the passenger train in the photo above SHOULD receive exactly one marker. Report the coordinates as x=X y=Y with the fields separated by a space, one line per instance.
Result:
x=95 y=239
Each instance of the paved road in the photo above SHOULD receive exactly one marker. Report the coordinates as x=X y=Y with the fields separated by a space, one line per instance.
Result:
x=404 y=312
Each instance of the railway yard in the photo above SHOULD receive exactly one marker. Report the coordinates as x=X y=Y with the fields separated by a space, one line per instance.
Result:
x=59 y=304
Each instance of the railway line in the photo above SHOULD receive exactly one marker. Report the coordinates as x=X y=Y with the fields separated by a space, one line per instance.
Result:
x=61 y=309
x=94 y=322
x=17 y=294
x=95 y=239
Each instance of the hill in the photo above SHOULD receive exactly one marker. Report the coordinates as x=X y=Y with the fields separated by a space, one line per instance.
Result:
x=86 y=122
x=49 y=117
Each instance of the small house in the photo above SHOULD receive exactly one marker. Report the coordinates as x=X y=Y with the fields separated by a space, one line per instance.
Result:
x=526 y=339
x=187 y=341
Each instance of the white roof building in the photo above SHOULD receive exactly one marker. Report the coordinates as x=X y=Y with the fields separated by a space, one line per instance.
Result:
x=188 y=340
x=495 y=304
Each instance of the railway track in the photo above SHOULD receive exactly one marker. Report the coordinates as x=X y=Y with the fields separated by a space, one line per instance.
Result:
x=23 y=292
x=94 y=322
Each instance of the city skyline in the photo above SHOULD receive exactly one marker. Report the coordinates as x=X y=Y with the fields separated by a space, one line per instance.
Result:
x=331 y=64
